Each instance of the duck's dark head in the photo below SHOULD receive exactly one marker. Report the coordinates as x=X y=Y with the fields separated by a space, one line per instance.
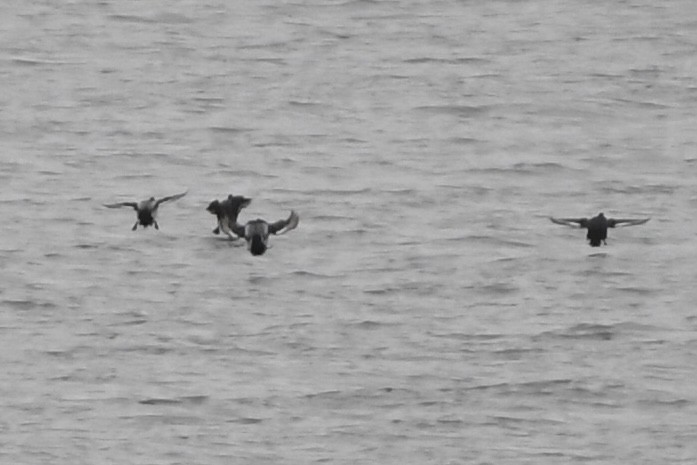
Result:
x=214 y=207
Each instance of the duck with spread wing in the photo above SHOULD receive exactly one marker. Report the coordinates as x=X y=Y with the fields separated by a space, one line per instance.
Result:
x=597 y=226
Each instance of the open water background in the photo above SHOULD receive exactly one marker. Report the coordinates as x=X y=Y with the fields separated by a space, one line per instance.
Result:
x=425 y=310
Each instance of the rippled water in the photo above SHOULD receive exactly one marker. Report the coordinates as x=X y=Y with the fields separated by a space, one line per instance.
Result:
x=425 y=310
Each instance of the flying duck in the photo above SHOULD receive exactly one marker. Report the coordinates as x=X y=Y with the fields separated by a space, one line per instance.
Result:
x=597 y=226
x=256 y=232
x=146 y=209
x=227 y=212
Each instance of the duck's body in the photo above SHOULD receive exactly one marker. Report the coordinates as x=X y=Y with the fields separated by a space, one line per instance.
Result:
x=146 y=209
x=256 y=232
x=597 y=226
x=227 y=212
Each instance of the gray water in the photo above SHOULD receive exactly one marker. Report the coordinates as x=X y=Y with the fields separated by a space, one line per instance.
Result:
x=425 y=310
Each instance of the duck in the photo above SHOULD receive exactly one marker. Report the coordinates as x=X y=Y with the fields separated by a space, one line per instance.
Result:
x=146 y=209
x=256 y=232
x=227 y=212
x=597 y=226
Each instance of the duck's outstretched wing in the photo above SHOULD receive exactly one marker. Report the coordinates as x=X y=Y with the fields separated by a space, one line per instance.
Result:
x=133 y=205
x=170 y=198
x=238 y=201
x=574 y=222
x=612 y=222
x=283 y=226
x=234 y=205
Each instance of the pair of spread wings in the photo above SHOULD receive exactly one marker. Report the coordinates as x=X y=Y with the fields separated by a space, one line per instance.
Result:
x=154 y=205
x=278 y=227
x=611 y=222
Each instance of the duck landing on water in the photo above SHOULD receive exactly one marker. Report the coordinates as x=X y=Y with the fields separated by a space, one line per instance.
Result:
x=256 y=232
x=227 y=212
x=146 y=209
x=597 y=226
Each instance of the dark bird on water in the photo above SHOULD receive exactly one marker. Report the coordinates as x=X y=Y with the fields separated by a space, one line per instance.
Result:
x=227 y=212
x=256 y=232
x=146 y=209
x=597 y=226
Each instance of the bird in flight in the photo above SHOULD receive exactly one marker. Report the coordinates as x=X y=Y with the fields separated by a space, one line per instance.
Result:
x=256 y=232
x=227 y=212
x=146 y=209
x=597 y=226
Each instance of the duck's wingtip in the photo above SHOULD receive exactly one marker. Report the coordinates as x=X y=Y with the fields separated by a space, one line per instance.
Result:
x=293 y=221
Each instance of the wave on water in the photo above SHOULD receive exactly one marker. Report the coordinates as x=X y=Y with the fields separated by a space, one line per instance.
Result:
x=589 y=331
x=164 y=18
x=634 y=290
x=32 y=61
x=491 y=241
x=185 y=400
x=332 y=218
x=461 y=140
x=352 y=394
x=534 y=168
x=247 y=420
x=131 y=18
x=456 y=110
x=545 y=166
x=449 y=61
x=305 y=103
x=643 y=104
x=373 y=325
x=312 y=275
x=26 y=304
x=539 y=387
x=276 y=142
x=633 y=189
x=224 y=169
x=230 y=129
x=341 y=192
x=500 y=288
